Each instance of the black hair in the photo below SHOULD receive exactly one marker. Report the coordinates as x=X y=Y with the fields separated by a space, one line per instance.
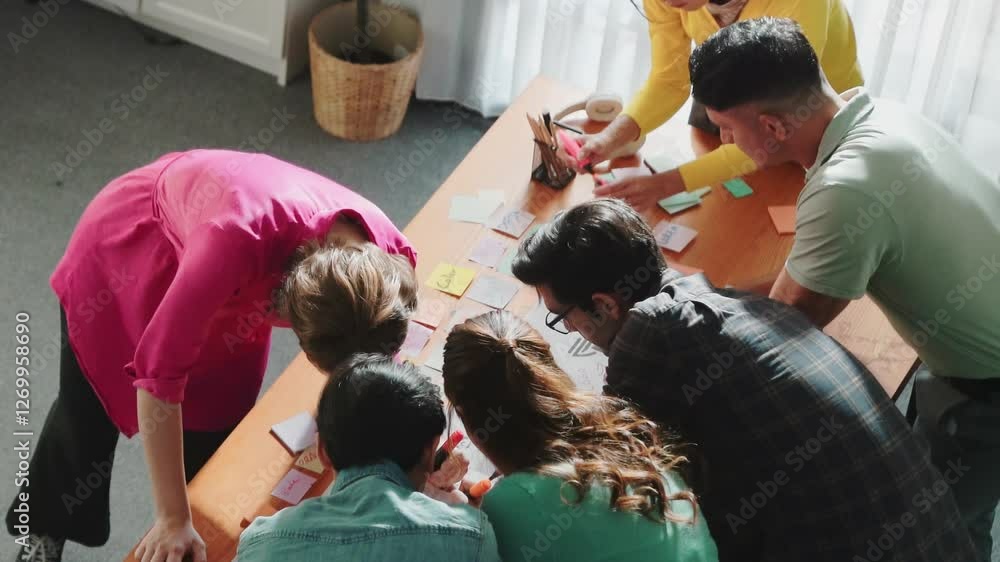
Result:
x=760 y=60
x=601 y=246
x=373 y=410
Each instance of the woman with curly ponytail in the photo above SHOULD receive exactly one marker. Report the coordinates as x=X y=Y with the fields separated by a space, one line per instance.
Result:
x=586 y=477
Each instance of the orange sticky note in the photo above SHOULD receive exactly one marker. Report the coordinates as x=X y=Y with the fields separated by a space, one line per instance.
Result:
x=783 y=219
x=309 y=460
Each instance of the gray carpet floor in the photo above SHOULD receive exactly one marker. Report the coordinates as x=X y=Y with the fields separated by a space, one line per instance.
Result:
x=63 y=82
x=58 y=88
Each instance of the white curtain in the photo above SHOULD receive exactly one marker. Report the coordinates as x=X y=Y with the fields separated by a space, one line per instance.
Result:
x=942 y=57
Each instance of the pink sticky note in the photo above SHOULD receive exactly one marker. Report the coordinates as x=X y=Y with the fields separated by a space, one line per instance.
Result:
x=489 y=251
x=432 y=309
x=293 y=486
x=416 y=338
x=783 y=218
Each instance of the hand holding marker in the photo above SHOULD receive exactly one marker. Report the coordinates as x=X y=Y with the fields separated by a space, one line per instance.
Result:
x=572 y=147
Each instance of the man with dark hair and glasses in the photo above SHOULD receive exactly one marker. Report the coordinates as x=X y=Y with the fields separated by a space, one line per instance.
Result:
x=798 y=453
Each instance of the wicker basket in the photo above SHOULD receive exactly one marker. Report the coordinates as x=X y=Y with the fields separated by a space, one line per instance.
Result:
x=363 y=102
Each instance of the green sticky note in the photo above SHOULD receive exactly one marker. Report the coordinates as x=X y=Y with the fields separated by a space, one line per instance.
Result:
x=703 y=191
x=674 y=209
x=683 y=198
x=738 y=188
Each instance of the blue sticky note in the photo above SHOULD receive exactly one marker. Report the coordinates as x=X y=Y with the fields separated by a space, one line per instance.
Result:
x=738 y=188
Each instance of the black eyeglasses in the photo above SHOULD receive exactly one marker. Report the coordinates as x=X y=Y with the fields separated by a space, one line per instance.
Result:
x=555 y=321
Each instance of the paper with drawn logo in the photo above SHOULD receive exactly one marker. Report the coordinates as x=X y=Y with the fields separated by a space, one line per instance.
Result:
x=583 y=362
x=513 y=222
x=673 y=236
x=451 y=279
x=309 y=460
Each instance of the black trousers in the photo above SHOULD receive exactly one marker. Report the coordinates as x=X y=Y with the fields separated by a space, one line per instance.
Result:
x=70 y=469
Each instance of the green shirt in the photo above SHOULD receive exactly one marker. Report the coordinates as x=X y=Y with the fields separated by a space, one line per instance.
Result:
x=894 y=207
x=533 y=523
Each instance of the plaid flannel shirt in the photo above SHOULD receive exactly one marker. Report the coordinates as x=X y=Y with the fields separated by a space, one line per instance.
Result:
x=799 y=454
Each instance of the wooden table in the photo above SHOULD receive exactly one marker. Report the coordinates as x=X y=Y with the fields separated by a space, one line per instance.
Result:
x=736 y=243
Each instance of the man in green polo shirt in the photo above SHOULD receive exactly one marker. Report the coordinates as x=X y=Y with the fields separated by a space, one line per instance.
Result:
x=892 y=208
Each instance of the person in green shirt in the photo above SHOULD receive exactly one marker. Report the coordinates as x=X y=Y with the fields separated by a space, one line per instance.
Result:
x=586 y=478
x=892 y=207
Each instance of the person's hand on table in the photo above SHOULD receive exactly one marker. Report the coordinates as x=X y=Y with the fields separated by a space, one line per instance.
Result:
x=642 y=193
x=169 y=541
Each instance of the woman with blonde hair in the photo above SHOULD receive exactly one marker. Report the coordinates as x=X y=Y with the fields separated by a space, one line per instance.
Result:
x=586 y=478
x=170 y=285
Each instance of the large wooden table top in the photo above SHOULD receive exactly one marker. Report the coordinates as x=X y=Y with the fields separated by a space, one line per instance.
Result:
x=736 y=243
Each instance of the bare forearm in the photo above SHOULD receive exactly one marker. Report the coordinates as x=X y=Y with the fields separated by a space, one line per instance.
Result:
x=162 y=432
x=620 y=131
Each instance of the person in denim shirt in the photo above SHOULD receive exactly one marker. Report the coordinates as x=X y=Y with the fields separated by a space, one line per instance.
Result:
x=379 y=425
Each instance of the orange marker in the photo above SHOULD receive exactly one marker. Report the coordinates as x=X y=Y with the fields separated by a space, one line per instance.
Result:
x=480 y=488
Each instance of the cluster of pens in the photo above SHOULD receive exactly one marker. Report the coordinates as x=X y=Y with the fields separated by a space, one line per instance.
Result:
x=550 y=170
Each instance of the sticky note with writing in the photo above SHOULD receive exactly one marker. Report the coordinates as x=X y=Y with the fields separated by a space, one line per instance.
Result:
x=451 y=279
x=309 y=460
x=432 y=308
x=672 y=236
x=513 y=222
x=293 y=486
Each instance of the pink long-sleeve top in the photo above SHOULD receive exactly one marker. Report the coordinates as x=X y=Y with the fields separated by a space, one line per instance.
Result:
x=167 y=280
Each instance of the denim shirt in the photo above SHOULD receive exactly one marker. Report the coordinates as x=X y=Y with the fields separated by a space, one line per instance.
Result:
x=371 y=513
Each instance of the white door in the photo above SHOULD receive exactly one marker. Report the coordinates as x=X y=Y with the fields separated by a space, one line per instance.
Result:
x=257 y=25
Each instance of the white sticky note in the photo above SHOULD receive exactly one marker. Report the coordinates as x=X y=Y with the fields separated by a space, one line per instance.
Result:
x=470 y=208
x=494 y=197
x=661 y=162
x=297 y=433
x=513 y=222
x=489 y=251
x=293 y=486
x=416 y=338
x=492 y=291
x=435 y=360
x=673 y=237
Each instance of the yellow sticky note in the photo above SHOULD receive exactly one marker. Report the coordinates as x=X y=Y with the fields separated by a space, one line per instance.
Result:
x=309 y=460
x=451 y=279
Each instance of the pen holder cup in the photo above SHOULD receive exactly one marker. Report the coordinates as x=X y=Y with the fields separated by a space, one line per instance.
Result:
x=547 y=168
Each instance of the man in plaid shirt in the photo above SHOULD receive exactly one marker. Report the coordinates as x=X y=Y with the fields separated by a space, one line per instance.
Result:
x=799 y=454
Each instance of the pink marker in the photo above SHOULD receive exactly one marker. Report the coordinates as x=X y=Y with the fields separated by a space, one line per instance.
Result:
x=572 y=147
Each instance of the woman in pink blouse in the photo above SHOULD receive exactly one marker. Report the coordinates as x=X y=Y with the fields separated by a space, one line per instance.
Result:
x=169 y=288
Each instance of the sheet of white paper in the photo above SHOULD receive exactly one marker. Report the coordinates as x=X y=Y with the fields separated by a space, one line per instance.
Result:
x=494 y=197
x=493 y=291
x=672 y=236
x=435 y=360
x=297 y=432
x=582 y=361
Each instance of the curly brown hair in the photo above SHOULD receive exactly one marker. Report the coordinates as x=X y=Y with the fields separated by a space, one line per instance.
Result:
x=345 y=298
x=497 y=362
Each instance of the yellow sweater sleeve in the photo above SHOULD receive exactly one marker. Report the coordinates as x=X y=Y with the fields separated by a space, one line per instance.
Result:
x=669 y=83
x=723 y=163
x=728 y=161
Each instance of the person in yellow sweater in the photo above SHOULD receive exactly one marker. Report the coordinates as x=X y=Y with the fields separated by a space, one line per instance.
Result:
x=673 y=25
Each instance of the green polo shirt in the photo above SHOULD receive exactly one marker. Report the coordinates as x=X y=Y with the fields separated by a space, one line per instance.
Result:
x=894 y=208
